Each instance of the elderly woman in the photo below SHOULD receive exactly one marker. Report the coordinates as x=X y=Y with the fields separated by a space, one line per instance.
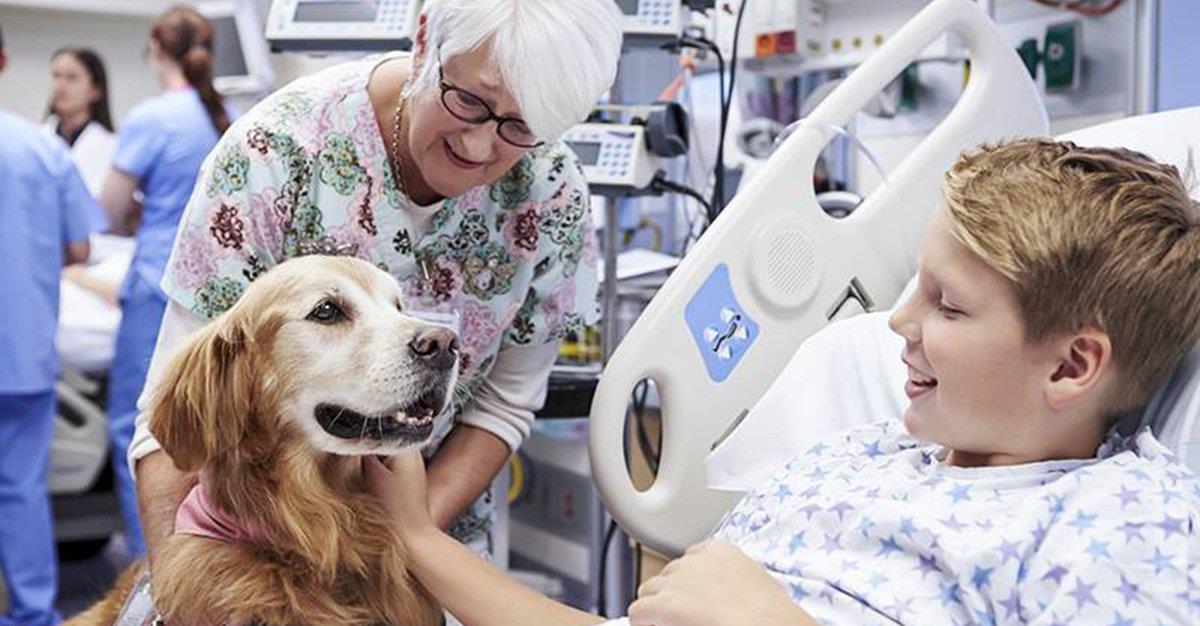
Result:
x=443 y=168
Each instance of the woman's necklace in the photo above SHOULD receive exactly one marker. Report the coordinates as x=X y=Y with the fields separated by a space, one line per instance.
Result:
x=397 y=164
x=398 y=169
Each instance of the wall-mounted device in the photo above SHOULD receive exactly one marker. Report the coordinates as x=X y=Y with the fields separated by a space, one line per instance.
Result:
x=802 y=36
x=648 y=20
x=622 y=157
x=1060 y=56
x=342 y=25
x=242 y=63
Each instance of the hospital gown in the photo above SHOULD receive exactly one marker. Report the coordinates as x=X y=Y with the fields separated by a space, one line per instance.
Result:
x=872 y=528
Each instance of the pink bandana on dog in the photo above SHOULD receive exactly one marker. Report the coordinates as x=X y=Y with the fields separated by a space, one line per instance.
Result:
x=197 y=516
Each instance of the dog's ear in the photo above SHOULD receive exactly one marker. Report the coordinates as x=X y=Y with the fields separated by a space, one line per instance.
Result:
x=201 y=407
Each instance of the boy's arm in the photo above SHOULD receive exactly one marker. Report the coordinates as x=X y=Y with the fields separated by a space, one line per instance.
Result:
x=477 y=593
x=715 y=584
x=468 y=587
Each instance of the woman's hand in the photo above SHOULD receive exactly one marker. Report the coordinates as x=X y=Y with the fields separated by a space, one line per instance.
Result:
x=399 y=484
x=715 y=584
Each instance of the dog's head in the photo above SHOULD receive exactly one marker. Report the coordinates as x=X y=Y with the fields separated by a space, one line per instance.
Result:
x=318 y=349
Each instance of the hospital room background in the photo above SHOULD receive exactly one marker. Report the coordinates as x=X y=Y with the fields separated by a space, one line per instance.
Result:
x=663 y=154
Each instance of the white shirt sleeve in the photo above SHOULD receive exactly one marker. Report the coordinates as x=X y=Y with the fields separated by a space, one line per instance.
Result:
x=177 y=325
x=515 y=388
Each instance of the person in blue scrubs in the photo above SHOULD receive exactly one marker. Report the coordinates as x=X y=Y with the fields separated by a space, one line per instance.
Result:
x=160 y=147
x=46 y=215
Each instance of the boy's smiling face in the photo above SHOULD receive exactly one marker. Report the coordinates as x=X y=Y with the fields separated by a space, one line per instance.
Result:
x=976 y=385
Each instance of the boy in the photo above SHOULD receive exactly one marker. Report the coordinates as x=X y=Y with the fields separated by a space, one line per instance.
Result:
x=1058 y=287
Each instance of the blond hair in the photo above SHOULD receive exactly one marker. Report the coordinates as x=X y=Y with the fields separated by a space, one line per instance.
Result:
x=1090 y=237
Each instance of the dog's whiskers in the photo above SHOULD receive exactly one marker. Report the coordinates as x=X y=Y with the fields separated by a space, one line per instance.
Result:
x=337 y=417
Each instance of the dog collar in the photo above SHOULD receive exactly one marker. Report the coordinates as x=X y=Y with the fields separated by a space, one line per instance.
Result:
x=197 y=516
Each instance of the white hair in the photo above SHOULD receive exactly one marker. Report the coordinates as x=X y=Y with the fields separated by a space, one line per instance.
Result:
x=557 y=57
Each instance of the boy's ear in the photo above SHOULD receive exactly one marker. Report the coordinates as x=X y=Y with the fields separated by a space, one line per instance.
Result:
x=1082 y=363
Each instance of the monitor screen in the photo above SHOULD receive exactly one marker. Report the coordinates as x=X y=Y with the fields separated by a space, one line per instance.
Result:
x=336 y=11
x=588 y=151
x=629 y=7
x=227 y=47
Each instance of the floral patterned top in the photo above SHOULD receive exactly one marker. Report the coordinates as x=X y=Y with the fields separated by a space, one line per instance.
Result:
x=306 y=172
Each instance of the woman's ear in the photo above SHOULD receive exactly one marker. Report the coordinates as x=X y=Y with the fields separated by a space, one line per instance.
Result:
x=1081 y=368
x=202 y=405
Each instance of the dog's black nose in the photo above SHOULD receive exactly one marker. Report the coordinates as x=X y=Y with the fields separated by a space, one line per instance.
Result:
x=436 y=346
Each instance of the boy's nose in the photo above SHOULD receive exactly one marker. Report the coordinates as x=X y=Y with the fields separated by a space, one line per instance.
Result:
x=903 y=321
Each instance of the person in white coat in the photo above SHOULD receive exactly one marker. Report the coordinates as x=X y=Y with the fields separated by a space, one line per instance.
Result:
x=79 y=113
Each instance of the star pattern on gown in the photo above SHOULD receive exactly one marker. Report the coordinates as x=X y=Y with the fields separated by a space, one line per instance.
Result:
x=871 y=526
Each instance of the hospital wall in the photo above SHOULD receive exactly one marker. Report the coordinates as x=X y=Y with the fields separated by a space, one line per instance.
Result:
x=1178 y=79
x=31 y=35
x=1109 y=88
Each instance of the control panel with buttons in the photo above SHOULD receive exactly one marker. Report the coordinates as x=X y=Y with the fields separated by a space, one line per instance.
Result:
x=652 y=18
x=614 y=157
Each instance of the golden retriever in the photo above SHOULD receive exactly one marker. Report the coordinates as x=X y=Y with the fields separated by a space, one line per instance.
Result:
x=273 y=404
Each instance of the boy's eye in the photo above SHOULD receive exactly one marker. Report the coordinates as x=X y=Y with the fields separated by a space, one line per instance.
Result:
x=947 y=309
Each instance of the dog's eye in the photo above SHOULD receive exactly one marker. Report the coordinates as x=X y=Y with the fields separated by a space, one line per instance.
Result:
x=328 y=312
x=400 y=306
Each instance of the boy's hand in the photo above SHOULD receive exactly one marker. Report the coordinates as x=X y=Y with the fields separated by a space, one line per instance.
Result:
x=399 y=484
x=714 y=584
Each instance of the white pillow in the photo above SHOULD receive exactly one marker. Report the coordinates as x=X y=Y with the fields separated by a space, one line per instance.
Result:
x=850 y=374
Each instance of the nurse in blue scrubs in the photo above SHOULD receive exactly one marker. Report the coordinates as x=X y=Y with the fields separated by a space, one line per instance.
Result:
x=160 y=147
x=46 y=214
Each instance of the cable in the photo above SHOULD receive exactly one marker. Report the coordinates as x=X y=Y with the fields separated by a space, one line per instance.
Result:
x=1082 y=7
x=637 y=569
x=601 y=584
x=718 y=201
x=650 y=452
x=723 y=101
x=661 y=184
x=695 y=163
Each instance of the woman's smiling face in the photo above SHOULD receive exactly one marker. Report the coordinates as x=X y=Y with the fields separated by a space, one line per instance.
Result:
x=454 y=156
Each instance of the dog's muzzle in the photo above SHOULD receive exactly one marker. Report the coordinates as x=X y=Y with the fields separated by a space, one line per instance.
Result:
x=410 y=423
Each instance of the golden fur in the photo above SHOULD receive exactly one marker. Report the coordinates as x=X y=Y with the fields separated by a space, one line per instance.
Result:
x=330 y=556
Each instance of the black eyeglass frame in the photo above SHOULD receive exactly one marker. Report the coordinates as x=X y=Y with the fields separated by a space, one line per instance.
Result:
x=488 y=116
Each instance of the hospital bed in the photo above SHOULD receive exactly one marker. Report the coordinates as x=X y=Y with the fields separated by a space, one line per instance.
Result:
x=774 y=270
x=86 y=338
x=85 y=510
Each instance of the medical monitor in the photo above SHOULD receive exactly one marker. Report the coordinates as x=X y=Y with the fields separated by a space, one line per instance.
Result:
x=242 y=63
x=342 y=25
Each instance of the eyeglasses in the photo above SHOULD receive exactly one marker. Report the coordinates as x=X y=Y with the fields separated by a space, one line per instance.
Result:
x=470 y=108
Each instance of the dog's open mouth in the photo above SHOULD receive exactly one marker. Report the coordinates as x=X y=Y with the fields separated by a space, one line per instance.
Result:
x=413 y=422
